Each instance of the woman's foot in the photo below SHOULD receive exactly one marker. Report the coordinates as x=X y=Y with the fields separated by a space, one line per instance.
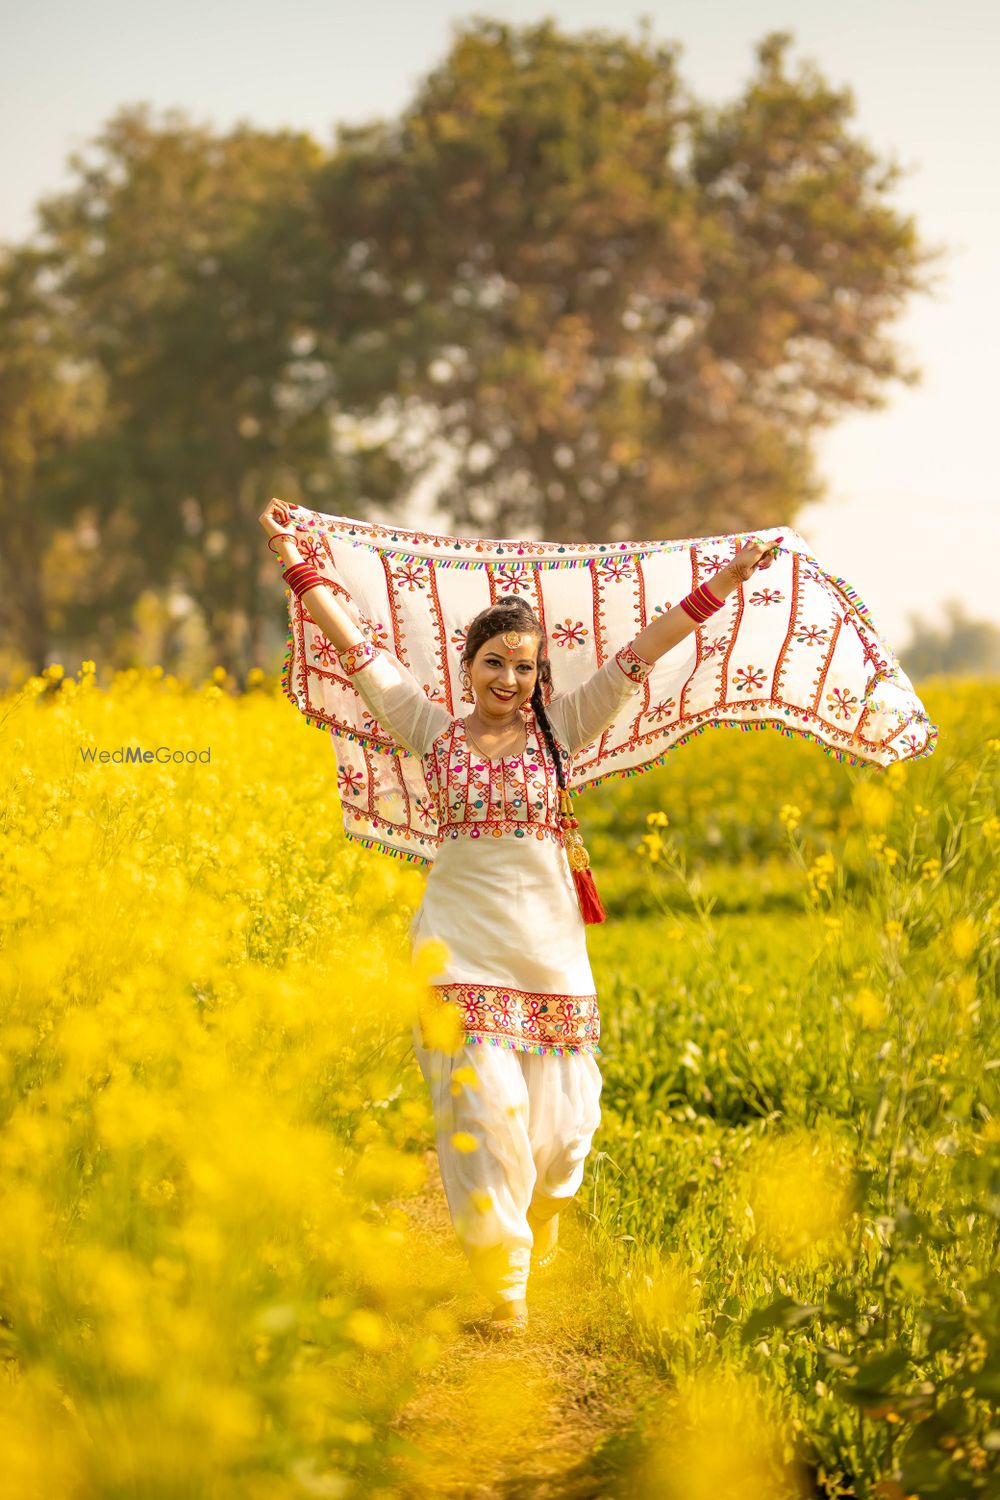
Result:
x=510 y=1317
x=545 y=1234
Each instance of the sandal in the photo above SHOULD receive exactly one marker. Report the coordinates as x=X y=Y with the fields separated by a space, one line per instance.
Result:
x=512 y=1324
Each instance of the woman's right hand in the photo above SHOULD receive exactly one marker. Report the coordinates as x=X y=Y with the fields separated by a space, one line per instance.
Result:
x=276 y=517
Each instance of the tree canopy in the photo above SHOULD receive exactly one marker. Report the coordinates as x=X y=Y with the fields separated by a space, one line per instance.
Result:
x=579 y=300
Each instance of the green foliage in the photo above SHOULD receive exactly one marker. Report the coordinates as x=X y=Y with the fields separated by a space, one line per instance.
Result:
x=802 y=1007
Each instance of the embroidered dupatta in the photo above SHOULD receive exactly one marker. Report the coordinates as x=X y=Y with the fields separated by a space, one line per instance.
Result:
x=793 y=649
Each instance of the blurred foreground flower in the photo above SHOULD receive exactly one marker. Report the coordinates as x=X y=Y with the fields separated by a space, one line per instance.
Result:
x=800 y=1193
x=716 y=1441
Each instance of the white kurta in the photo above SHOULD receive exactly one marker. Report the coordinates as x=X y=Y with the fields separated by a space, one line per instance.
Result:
x=499 y=893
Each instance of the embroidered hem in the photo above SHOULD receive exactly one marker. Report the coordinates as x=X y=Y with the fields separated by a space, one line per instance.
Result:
x=526 y=1021
x=518 y=828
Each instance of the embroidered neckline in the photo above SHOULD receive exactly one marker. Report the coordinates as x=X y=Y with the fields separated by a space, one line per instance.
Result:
x=501 y=760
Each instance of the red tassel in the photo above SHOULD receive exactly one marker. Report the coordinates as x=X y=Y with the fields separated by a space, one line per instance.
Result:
x=590 y=901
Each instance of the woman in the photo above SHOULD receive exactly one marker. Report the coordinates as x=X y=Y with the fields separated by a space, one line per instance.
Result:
x=524 y=1088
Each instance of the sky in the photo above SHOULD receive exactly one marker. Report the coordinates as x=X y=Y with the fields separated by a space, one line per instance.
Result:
x=910 y=515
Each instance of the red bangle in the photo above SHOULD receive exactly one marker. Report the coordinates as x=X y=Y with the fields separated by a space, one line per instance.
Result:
x=277 y=536
x=701 y=603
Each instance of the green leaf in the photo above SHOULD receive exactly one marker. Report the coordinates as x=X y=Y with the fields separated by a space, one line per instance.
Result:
x=783 y=1313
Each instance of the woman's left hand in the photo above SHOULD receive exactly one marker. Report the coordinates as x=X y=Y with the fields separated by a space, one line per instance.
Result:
x=754 y=556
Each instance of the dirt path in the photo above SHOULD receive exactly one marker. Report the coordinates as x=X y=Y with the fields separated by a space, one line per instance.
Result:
x=550 y=1414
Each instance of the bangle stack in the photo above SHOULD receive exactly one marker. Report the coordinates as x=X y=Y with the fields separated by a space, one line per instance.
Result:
x=301 y=577
x=701 y=603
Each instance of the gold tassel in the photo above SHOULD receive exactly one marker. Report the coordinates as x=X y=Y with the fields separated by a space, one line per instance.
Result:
x=591 y=908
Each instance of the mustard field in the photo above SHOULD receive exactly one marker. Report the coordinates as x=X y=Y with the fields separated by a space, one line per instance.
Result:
x=211 y=1111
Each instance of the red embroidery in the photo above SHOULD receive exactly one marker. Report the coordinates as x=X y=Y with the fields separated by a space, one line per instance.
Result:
x=632 y=664
x=479 y=798
x=526 y=1021
x=356 y=657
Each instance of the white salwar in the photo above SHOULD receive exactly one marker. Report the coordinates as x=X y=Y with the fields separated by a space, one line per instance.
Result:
x=501 y=898
x=533 y=1119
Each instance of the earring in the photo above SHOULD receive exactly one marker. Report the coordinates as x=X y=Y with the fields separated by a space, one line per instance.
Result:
x=466 y=687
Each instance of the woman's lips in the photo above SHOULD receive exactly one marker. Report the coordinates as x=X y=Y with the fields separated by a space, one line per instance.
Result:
x=505 y=696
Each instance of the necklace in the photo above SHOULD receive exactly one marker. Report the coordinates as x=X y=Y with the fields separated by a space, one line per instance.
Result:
x=476 y=745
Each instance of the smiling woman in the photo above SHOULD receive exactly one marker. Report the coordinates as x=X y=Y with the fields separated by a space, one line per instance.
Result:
x=517 y=1104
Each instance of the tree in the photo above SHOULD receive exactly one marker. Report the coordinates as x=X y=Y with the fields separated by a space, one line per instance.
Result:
x=593 y=305
x=625 y=313
x=961 y=645
x=177 y=250
x=50 y=402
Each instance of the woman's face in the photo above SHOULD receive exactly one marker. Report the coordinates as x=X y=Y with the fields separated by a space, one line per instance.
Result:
x=503 y=676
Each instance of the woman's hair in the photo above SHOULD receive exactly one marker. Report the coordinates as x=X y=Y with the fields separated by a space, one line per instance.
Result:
x=517 y=614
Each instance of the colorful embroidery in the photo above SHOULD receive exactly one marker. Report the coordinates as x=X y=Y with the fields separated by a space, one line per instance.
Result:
x=526 y=1021
x=570 y=634
x=746 y=679
x=632 y=664
x=485 y=827
x=356 y=657
x=802 y=628
x=476 y=797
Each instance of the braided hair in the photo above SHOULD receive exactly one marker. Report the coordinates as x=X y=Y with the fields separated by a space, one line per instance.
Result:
x=515 y=613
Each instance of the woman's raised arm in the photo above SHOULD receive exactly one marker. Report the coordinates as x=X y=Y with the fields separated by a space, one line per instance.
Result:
x=400 y=706
x=578 y=716
x=321 y=602
x=669 y=629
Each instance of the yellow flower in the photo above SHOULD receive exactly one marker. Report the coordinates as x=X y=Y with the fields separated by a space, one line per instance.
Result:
x=790 y=815
x=717 y=1440
x=930 y=868
x=964 y=936
x=464 y=1142
x=430 y=958
x=54 y=673
x=657 y=819
x=874 y=803
x=464 y=1077
x=799 y=1193
x=366 y=1328
x=893 y=931
x=820 y=871
x=869 y=1007
x=219 y=674
x=653 y=846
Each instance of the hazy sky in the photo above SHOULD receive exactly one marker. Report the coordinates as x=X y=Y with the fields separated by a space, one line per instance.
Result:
x=910 y=518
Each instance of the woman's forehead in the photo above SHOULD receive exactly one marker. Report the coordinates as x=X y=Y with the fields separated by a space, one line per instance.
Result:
x=525 y=650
